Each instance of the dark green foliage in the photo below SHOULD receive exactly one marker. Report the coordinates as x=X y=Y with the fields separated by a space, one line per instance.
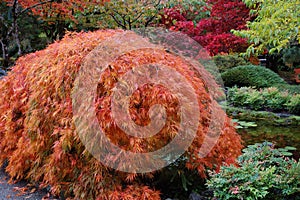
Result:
x=245 y=97
x=220 y=63
x=274 y=99
x=265 y=117
x=31 y=36
x=251 y=75
x=292 y=89
x=293 y=105
x=291 y=56
x=179 y=183
x=263 y=172
x=225 y=62
x=264 y=99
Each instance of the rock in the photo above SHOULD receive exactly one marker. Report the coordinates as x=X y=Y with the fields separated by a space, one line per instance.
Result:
x=2 y=72
x=195 y=196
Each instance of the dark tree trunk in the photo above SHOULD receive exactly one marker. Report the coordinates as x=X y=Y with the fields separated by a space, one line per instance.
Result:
x=5 y=56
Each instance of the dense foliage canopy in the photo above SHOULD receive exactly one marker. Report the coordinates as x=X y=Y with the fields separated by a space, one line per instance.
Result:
x=37 y=132
x=275 y=27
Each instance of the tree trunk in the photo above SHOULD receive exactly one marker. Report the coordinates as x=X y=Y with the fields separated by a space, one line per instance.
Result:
x=5 y=56
x=15 y=26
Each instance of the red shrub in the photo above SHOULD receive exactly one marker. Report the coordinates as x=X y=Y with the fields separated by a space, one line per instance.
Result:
x=37 y=131
x=213 y=33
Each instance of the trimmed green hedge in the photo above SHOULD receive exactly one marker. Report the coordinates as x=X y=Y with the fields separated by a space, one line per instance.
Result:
x=251 y=75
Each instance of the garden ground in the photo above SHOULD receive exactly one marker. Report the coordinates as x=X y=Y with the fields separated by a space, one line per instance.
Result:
x=19 y=191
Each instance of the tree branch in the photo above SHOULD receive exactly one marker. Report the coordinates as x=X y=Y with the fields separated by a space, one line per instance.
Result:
x=149 y=20
x=34 y=6
x=134 y=20
x=117 y=21
x=15 y=26
x=3 y=49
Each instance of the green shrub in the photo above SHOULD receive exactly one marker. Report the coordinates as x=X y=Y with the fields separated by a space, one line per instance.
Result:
x=292 y=89
x=263 y=172
x=251 y=75
x=225 y=62
x=293 y=105
x=245 y=97
x=237 y=96
x=265 y=117
x=255 y=100
x=264 y=99
x=220 y=63
x=275 y=99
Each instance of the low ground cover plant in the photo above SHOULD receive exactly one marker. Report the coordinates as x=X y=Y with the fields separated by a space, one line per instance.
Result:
x=263 y=172
x=266 y=117
x=271 y=99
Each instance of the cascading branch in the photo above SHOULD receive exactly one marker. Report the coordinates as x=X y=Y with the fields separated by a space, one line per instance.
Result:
x=37 y=131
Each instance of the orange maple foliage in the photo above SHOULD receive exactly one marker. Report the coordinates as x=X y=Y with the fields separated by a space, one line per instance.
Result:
x=37 y=132
x=51 y=10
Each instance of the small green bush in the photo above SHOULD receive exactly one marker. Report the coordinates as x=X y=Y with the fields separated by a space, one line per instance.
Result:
x=293 y=105
x=263 y=172
x=274 y=99
x=251 y=75
x=264 y=117
x=237 y=96
x=271 y=99
x=225 y=62
x=255 y=100
x=292 y=89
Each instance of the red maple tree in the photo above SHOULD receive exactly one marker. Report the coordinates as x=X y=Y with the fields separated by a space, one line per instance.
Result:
x=37 y=130
x=213 y=32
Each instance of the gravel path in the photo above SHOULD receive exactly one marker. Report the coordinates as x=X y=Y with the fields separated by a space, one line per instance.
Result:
x=15 y=191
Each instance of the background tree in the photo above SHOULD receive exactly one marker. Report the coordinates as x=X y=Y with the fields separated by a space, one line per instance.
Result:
x=184 y=10
x=133 y=14
x=213 y=30
x=276 y=25
x=28 y=25
x=53 y=17
x=14 y=20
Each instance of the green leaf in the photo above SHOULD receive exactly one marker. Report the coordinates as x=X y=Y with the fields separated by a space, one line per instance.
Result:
x=290 y=148
x=286 y=153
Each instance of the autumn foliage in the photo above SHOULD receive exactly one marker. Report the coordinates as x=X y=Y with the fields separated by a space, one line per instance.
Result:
x=54 y=9
x=37 y=132
x=214 y=32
